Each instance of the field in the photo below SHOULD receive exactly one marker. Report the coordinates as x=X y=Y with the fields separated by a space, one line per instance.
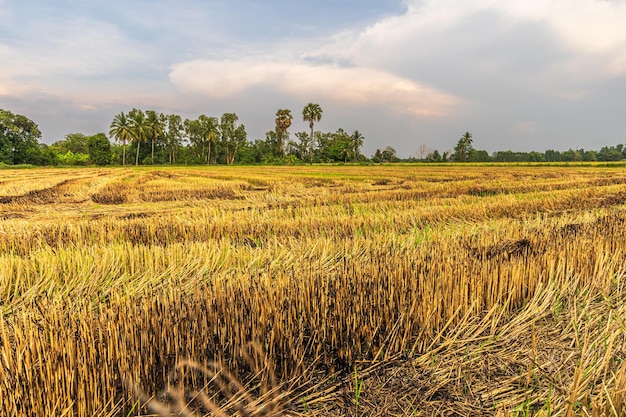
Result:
x=313 y=291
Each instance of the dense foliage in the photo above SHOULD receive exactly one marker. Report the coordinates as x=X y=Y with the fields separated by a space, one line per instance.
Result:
x=151 y=138
x=19 y=140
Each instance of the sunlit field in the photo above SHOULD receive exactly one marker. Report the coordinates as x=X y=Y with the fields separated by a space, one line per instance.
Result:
x=410 y=290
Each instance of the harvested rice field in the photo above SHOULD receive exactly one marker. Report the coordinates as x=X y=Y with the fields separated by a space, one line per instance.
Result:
x=414 y=290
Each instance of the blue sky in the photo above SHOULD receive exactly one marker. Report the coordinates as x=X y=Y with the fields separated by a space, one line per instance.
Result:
x=532 y=75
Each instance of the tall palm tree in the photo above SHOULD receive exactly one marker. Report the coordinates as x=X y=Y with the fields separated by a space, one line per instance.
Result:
x=210 y=129
x=312 y=113
x=120 y=129
x=283 y=121
x=357 y=142
x=156 y=128
x=140 y=129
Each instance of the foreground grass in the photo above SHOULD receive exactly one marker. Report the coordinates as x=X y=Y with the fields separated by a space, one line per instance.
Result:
x=444 y=290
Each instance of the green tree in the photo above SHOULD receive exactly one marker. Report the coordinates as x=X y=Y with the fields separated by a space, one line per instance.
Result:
x=74 y=142
x=43 y=155
x=73 y=159
x=283 y=121
x=312 y=113
x=302 y=146
x=140 y=128
x=345 y=152
x=233 y=136
x=173 y=135
x=357 y=142
x=377 y=157
x=209 y=129
x=121 y=131
x=389 y=154
x=272 y=139
x=240 y=139
x=479 y=156
x=331 y=145
x=590 y=155
x=99 y=149
x=18 y=139
x=156 y=128
x=552 y=156
x=572 y=155
x=609 y=153
x=463 y=148
x=196 y=139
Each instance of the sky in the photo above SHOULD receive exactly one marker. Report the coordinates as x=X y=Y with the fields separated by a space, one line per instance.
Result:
x=518 y=75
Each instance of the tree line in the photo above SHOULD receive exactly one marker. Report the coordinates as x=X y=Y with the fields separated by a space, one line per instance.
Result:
x=212 y=140
x=464 y=151
x=147 y=137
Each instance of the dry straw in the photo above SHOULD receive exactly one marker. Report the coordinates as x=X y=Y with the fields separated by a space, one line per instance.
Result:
x=470 y=290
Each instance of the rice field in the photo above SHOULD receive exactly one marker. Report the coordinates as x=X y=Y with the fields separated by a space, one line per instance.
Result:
x=313 y=291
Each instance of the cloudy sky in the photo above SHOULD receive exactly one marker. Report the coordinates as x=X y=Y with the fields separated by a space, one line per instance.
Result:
x=521 y=75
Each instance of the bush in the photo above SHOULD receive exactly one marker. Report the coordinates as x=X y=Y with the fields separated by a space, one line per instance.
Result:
x=72 y=159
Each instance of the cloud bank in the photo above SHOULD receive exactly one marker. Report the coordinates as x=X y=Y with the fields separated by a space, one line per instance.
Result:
x=520 y=75
x=352 y=86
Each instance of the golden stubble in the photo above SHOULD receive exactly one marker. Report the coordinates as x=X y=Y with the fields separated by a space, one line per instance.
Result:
x=113 y=275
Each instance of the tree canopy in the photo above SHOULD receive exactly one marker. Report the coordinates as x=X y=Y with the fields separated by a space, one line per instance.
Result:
x=18 y=139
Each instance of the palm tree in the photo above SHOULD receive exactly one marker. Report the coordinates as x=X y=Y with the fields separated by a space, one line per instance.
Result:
x=121 y=131
x=312 y=113
x=357 y=142
x=345 y=152
x=156 y=128
x=283 y=121
x=209 y=127
x=140 y=128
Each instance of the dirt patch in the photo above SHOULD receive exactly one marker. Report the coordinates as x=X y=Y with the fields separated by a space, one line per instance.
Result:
x=382 y=181
x=9 y=216
x=613 y=200
x=571 y=230
x=42 y=196
x=111 y=194
x=224 y=193
x=482 y=191
x=507 y=249
x=608 y=181
x=131 y=216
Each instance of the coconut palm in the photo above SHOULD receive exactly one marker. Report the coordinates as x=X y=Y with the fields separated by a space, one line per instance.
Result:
x=312 y=113
x=283 y=121
x=357 y=142
x=345 y=152
x=209 y=127
x=140 y=129
x=156 y=128
x=121 y=131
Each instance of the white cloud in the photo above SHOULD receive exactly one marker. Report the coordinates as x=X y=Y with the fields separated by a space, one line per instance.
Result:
x=486 y=50
x=586 y=27
x=351 y=85
x=65 y=54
